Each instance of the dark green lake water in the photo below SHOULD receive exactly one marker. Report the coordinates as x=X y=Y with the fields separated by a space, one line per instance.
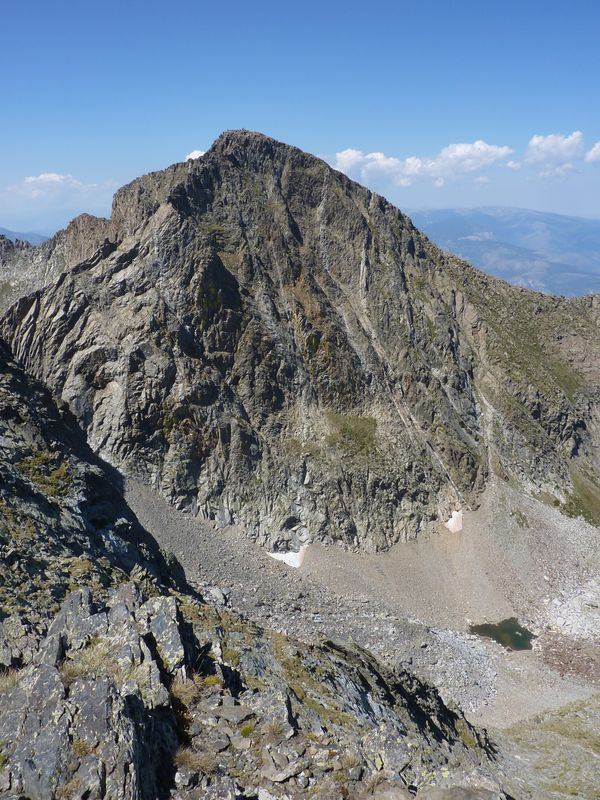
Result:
x=508 y=633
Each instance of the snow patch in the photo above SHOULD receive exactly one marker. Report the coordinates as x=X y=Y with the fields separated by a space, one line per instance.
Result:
x=291 y=559
x=455 y=523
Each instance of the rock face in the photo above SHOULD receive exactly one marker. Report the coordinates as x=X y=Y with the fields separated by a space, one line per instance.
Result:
x=119 y=682
x=63 y=523
x=141 y=699
x=270 y=344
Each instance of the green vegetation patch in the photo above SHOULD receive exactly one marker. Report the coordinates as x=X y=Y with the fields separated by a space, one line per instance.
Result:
x=308 y=688
x=353 y=434
x=230 y=655
x=168 y=423
x=585 y=498
x=16 y=523
x=300 y=448
x=216 y=233
x=563 y=747
x=247 y=729
x=565 y=375
x=53 y=481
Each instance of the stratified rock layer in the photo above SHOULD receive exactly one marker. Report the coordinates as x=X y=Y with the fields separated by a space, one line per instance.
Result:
x=273 y=345
x=25 y=267
x=63 y=523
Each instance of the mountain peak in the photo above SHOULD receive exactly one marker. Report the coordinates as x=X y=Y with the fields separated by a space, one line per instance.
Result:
x=243 y=136
x=236 y=140
x=300 y=360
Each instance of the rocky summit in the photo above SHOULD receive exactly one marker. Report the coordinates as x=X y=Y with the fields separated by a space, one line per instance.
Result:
x=272 y=345
x=255 y=351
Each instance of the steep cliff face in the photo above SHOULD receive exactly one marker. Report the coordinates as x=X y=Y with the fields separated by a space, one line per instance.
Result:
x=273 y=345
x=63 y=523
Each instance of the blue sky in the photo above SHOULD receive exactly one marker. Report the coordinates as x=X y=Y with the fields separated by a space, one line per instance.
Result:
x=434 y=104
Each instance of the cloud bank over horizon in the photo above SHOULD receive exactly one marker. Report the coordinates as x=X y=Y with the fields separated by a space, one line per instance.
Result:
x=545 y=156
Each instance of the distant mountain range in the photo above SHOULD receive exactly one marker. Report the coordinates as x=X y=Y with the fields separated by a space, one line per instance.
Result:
x=32 y=238
x=547 y=252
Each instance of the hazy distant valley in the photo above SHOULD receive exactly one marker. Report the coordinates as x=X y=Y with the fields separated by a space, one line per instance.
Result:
x=546 y=252
x=32 y=238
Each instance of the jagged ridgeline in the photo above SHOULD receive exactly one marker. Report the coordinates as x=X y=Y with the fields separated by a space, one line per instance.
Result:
x=271 y=344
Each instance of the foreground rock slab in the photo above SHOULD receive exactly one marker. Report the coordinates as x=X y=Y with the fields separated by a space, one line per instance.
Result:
x=166 y=697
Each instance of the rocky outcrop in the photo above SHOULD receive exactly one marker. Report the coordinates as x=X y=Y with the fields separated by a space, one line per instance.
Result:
x=117 y=681
x=63 y=522
x=270 y=344
x=155 y=698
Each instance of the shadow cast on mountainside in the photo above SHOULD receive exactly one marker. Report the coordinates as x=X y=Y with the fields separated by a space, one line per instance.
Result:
x=37 y=420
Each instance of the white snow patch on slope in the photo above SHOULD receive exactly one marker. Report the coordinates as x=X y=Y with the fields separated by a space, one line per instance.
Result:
x=455 y=523
x=291 y=559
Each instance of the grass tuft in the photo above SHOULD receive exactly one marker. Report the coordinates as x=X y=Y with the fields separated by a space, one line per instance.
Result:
x=8 y=679
x=352 y=434
x=186 y=692
x=186 y=758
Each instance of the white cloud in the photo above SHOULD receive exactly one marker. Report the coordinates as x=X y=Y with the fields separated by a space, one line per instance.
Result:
x=52 y=177
x=379 y=162
x=194 y=155
x=52 y=196
x=459 y=158
x=53 y=185
x=514 y=165
x=482 y=179
x=594 y=153
x=346 y=160
x=554 y=147
x=450 y=162
x=553 y=154
x=48 y=184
